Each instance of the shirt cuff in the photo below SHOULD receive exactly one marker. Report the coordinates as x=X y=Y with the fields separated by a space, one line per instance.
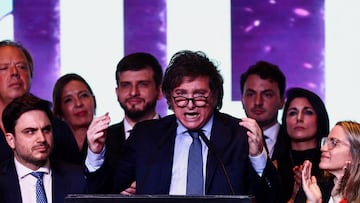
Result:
x=259 y=162
x=94 y=161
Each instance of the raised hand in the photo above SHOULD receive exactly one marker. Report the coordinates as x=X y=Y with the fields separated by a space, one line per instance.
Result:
x=309 y=184
x=254 y=133
x=297 y=181
x=96 y=135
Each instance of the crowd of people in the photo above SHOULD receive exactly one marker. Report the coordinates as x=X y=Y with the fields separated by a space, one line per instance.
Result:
x=49 y=149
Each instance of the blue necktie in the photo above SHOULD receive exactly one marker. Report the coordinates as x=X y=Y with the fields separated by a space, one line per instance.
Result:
x=40 y=191
x=195 y=179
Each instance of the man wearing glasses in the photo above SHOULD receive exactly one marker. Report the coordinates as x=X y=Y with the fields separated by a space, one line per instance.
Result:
x=195 y=151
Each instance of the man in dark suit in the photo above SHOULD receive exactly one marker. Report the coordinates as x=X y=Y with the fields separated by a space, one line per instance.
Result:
x=159 y=154
x=28 y=127
x=262 y=87
x=138 y=79
x=16 y=72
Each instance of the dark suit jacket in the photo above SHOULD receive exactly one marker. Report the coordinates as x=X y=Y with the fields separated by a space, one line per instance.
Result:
x=65 y=145
x=66 y=178
x=149 y=159
x=279 y=145
x=115 y=139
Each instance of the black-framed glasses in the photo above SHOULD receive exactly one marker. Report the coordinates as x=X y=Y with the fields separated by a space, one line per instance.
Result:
x=199 y=101
x=331 y=142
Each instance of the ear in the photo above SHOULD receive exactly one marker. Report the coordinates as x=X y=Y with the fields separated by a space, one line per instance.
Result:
x=10 y=139
x=282 y=102
x=160 y=94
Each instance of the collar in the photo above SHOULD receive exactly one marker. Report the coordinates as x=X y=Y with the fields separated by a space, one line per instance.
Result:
x=23 y=171
x=206 y=128
x=128 y=126
x=273 y=131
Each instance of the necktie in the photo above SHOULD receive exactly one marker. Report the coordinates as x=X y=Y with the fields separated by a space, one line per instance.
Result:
x=40 y=191
x=195 y=179
x=266 y=141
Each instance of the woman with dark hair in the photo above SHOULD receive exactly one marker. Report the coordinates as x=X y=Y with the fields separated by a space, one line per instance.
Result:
x=305 y=122
x=74 y=102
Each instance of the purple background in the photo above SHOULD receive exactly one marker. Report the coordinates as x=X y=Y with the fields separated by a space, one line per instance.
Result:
x=288 y=33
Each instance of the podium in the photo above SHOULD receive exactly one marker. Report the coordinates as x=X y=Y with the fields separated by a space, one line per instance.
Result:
x=117 y=198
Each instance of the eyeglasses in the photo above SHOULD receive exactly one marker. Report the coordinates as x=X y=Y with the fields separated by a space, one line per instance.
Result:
x=182 y=102
x=331 y=142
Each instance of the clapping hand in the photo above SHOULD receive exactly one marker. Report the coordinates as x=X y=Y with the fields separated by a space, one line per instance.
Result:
x=309 y=184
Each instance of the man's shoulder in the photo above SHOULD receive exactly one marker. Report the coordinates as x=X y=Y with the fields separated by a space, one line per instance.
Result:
x=64 y=168
x=163 y=121
x=116 y=128
x=7 y=166
x=226 y=119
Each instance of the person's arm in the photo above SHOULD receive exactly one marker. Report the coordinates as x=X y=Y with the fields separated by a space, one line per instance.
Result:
x=259 y=162
x=257 y=153
x=96 y=138
x=309 y=184
x=94 y=161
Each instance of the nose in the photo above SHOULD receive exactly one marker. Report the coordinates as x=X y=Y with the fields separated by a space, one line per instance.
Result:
x=78 y=101
x=191 y=104
x=258 y=100
x=299 y=117
x=134 y=90
x=13 y=70
x=324 y=148
x=41 y=136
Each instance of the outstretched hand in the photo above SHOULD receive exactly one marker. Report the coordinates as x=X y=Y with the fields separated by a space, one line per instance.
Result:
x=309 y=184
x=254 y=133
x=96 y=135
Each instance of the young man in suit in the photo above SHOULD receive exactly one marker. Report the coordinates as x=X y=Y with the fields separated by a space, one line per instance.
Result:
x=263 y=88
x=138 y=79
x=28 y=127
x=159 y=153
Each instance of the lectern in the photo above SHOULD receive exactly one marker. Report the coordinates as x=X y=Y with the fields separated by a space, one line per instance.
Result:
x=113 y=198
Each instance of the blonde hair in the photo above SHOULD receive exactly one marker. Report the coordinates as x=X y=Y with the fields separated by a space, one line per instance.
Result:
x=352 y=182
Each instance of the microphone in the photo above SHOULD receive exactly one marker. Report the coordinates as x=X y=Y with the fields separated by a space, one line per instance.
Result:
x=212 y=150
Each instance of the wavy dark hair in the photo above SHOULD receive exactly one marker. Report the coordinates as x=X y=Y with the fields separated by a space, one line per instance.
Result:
x=20 y=105
x=139 y=61
x=192 y=64
x=265 y=71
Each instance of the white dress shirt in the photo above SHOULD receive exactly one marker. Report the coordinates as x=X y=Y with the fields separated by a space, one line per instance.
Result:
x=27 y=182
x=128 y=127
x=272 y=134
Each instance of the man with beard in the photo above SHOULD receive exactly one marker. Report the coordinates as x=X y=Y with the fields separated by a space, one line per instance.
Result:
x=262 y=88
x=138 y=79
x=31 y=176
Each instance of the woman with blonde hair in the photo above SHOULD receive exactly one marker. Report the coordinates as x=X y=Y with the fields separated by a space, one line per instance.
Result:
x=341 y=158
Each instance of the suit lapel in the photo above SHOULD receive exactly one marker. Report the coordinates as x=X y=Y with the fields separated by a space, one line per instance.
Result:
x=219 y=139
x=59 y=184
x=9 y=178
x=166 y=146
